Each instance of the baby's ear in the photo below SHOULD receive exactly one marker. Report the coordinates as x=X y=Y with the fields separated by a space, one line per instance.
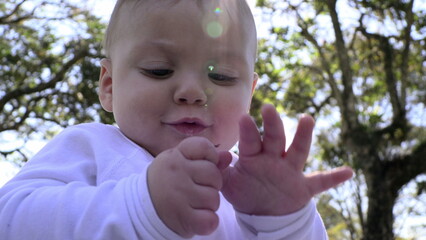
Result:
x=253 y=87
x=255 y=78
x=105 y=85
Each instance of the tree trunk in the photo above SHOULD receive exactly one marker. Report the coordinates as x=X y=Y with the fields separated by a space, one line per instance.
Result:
x=381 y=200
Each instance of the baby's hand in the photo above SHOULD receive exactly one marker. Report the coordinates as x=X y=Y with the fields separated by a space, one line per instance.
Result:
x=267 y=180
x=184 y=184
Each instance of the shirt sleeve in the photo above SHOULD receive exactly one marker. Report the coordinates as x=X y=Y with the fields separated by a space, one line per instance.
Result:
x=56 y=196
x=150 y=222
x=305 y=224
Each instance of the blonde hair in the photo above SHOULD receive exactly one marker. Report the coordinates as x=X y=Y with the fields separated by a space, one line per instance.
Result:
x=243 y=14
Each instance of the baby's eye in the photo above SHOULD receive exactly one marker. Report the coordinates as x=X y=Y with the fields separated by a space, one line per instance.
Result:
x=221 y=78
x=157 y=73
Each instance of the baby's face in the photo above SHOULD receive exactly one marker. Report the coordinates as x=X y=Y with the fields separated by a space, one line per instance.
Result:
x=169 y=79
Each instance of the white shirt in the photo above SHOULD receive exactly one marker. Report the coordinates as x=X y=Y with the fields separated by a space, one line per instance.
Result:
x=89 y=182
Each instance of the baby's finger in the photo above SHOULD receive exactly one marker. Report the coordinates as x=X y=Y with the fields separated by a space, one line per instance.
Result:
x=199 y=148
x=225 y=158
x=274 y=136
x=204 y=173
x=299 y=149
x=203 y=221
x=204 y=198
x=250 y=141
x=320 y=182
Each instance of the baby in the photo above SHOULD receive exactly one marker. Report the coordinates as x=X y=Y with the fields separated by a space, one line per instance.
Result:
x=178 y=77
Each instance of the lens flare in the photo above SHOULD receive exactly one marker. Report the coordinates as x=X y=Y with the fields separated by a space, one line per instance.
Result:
x=218 y=10
x=214 y=29
x=215 y=22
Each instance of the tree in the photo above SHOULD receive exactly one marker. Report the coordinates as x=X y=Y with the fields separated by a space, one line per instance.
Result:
x=360 y=66
x=49 y=54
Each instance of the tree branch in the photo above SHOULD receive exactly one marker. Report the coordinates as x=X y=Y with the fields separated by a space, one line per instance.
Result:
x=390 y=79
x=14 y=11
x=350 y=119
x=406 y=52
x=59 y=76
x=324 y=61
x=7 y=19
x=18 y=150
x=14 y=122
x=408 y=167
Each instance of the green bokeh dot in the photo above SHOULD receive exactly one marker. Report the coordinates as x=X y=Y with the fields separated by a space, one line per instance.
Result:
x=214 y=29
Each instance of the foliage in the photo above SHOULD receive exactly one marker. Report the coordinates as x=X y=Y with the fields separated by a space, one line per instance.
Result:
x=49 y=54
x=359 y=66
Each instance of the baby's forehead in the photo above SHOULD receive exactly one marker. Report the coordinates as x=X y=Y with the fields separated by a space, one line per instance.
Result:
x=203 y=5
x=236 y=10
x=216 y=15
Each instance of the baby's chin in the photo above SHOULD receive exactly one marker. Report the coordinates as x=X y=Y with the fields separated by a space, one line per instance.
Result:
x=225 y=146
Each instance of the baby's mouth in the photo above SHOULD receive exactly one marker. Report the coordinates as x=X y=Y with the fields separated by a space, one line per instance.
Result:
x=190 y=129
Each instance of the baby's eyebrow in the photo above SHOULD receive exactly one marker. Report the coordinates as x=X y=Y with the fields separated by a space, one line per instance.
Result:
x=217 y=53
x=164 y=44
x=231 y=56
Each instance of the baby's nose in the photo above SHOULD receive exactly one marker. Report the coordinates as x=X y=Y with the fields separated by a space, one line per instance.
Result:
x=190 y=93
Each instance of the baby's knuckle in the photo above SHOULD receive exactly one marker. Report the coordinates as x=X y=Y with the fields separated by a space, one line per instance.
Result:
x=211 y=200
x=215 y=201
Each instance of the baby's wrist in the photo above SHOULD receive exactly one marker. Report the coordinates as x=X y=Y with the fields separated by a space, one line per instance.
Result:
x=274 y=210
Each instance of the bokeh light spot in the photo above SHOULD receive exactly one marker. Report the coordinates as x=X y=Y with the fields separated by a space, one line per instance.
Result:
x=218 y=10
x=214 y=29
